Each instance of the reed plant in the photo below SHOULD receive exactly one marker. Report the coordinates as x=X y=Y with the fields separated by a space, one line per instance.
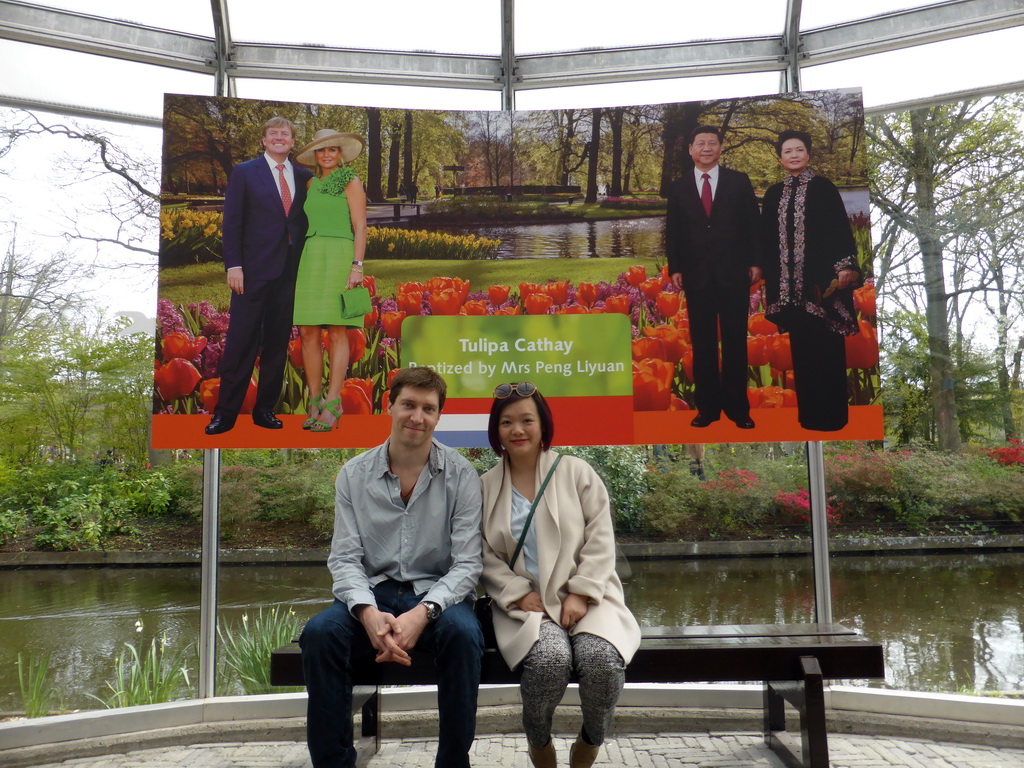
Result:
x=247 y=646
x=38 y=691
x=158 y=675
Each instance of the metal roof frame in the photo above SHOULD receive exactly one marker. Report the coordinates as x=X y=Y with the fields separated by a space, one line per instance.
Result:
x=228 y=60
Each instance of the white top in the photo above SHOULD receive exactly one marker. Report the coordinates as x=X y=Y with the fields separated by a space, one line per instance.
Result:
x=520 y=511
x=698 y=176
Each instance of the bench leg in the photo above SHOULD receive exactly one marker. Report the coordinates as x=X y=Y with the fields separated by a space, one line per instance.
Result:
x=368 y=743
x=807 y=696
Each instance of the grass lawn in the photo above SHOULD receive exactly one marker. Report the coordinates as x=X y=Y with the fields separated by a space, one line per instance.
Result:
x=206 y=282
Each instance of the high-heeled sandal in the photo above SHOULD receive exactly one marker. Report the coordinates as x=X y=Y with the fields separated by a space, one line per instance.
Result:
x=315 y=406
x=333 y=408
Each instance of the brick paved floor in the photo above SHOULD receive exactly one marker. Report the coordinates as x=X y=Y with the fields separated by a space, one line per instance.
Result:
x=669 y=750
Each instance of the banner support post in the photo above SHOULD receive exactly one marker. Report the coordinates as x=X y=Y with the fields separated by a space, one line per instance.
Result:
x=208 y=579
x=819 y=533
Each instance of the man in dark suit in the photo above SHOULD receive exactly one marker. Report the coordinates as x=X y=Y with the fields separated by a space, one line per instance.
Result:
x=714 y=257
x=264 y=229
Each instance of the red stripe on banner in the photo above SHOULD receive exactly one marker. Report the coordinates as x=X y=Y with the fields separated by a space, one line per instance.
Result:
x=187 y=431
x=770 y=425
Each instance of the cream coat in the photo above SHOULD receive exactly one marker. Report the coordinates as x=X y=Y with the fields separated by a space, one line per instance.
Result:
x=576 y=553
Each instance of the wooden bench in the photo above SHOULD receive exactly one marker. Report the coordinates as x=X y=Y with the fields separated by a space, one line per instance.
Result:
x=791 y=660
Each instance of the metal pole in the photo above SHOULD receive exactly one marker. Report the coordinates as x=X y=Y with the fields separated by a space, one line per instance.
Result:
x=819 y=533
x=508 y=54
x=208 y=585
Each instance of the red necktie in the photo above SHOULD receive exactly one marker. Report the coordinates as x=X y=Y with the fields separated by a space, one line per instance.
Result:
x=286 y=192
x=705 y=194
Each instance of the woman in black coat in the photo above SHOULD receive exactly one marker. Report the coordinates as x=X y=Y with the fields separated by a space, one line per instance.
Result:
x=810 y=270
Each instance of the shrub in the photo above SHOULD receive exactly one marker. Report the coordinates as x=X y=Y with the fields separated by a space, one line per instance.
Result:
x=1011 y=455
x=155 y=676
x=624 y=472
x=672 y=503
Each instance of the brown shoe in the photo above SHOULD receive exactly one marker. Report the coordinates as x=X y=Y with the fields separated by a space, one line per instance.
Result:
x=543 y=757
x=582 y=755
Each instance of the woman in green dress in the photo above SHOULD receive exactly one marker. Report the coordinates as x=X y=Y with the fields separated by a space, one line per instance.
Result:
x=332 y=261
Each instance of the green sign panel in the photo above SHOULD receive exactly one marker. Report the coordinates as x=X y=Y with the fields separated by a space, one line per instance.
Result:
x=564 y=355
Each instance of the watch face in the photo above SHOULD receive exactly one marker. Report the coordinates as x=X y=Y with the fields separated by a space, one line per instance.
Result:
x=433 y=611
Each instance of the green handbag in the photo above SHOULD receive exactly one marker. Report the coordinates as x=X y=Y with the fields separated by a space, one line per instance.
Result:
x=355 y=302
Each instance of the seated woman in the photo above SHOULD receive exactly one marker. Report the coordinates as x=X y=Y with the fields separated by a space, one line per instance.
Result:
x=558 y=603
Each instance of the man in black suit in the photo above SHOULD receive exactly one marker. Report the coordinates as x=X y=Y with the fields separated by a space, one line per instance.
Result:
x=264 y=229
x=714 y=257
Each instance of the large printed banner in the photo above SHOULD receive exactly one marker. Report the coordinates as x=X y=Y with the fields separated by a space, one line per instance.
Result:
x=549 y=247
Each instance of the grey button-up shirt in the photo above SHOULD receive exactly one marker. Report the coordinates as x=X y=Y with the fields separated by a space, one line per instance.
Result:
x=433 y=541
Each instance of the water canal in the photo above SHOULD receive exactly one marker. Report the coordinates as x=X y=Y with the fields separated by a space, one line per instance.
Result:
x=948 y=622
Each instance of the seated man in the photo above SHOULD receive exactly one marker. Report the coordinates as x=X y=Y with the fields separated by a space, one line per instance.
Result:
x=405 y=559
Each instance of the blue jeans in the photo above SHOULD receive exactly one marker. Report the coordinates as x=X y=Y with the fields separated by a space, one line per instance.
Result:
x=333 y=640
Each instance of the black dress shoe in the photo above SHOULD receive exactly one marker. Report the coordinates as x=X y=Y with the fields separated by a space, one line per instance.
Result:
x=703 y=420
x=744 y=423
x=266 y=419
x=220 y=423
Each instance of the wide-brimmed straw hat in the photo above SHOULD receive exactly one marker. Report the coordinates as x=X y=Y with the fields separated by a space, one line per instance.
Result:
x=350 y=144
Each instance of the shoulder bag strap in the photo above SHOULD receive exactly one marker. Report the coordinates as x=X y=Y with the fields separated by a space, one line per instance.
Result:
x=533 y=508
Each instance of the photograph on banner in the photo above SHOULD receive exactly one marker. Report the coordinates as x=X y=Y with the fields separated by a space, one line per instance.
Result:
x=473 y=216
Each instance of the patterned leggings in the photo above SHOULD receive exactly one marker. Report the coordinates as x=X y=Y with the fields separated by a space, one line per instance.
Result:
x=546 y=671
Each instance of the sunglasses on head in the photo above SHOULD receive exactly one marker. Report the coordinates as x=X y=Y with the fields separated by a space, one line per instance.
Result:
x=521 y=388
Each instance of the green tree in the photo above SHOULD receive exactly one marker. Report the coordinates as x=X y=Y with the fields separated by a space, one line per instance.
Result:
x=923 y=161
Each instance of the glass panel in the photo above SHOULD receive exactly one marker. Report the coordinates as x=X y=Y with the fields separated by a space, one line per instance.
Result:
x=40 y=73
x=941 y=68
x=393 y=96
x=192 y=16
x=649 y=91
x=455 y=26
x=543 y=26
x=821 y=13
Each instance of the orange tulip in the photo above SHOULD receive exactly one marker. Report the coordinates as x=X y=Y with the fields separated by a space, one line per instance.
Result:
x=667 y=304
x=779 y=353
x=586 y=294
x=356 y=344
x=392 y=322
x=295 y=352
x=788 y=398
x=617 y=304
x=370 y=320
x=771 y=397
x=753 y=396
x=652 y=287
x=498 y=294
x=411 y=303
x=461 y=287
x=760 y=326
x=371 y=284
x=209 y=393
x=687 y=363
x=513 y=310
x=249 y=401
x=445 y=302
x=178 y=345
x=673 y=339
x=538 y=304
x=558 y=291
x=385 y=401
x=176 y=378
x=636 y=275
x=652 y=385
x=357 y=397
x=757 y=351
x=526 y=290
x=665 y=277
x=862 y=349
x=391 y=376
x=572 y=309
x=646 y=347
x=435 y=284
x=864 y=300
x=678 y=404
x=474 y=307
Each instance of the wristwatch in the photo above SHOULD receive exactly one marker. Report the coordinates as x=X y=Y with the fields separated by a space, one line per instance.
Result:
x=433 y=610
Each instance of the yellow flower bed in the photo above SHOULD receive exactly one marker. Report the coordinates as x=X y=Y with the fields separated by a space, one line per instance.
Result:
x=388 y=243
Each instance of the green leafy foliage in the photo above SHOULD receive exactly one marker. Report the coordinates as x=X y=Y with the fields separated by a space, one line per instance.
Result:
x=156 y=675
x=36 y=683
